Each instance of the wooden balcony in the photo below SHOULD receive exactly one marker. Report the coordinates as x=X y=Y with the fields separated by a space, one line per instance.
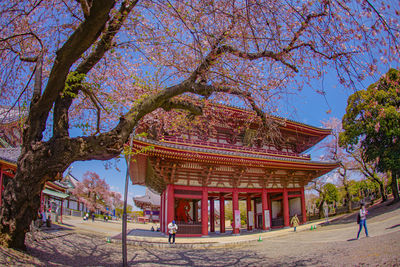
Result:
x=230 y=147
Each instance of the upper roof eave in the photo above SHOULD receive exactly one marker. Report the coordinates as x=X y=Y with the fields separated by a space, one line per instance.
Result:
x=289 y=122
x=227 y=154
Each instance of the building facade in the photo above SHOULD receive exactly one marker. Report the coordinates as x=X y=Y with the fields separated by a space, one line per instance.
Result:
x=195 y=169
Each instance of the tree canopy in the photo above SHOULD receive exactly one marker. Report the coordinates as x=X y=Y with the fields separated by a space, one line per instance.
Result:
x=95 y=193
x=373 y=119
x=104 y=65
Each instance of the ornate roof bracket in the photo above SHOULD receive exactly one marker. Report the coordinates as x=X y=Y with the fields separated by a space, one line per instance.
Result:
x=238 y=176
x=173 y=172
x=205 y=177
x=160 y=171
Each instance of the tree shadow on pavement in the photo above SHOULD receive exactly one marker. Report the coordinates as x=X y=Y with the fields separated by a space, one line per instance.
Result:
x=74 y=250
x=393 y=226
x=373 y=211
x=214 y=257
x=86 y=250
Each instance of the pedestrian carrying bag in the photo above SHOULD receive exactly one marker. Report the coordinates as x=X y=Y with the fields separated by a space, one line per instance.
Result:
x=358 y=218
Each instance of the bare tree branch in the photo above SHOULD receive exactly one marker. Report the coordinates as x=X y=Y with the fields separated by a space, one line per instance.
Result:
x=62 y=104
x=83 y=37
x=86 y=5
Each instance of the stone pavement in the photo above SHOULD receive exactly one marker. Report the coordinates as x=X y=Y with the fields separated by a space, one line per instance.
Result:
x=339 y=229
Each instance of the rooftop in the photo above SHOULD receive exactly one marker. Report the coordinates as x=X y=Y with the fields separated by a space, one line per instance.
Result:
x=10 y=154
x=9 y=115
x=150 y=197
x=229 y=153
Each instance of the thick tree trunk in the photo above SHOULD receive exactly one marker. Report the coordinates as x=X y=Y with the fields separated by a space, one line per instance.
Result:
x=321 y=209
x=382 y=191
x=21 y=202
x=395 y=189
x=21 y=198
x=348 y=199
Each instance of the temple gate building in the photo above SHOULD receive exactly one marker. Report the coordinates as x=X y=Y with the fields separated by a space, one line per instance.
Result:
x=224 y=159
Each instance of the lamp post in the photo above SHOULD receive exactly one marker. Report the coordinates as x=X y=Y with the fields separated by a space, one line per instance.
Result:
x=124 y=215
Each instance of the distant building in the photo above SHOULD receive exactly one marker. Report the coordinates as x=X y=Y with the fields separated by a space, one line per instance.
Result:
x=150 y=204
x=10 y=127
x=55 y=196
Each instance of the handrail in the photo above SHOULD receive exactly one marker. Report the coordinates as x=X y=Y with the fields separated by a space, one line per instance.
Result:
x=232 y=147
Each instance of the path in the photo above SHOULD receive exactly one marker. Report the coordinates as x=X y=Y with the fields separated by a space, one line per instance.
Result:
x=332 y=245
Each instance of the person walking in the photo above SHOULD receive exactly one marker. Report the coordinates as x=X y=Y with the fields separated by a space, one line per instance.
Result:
x=363 y=220
x=172 y=227
x=295 y=221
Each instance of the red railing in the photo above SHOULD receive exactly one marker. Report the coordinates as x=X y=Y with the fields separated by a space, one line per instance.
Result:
x=189 y=228
x=233 y=147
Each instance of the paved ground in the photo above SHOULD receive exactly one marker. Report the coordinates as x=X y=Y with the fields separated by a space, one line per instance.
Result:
x=332 y=245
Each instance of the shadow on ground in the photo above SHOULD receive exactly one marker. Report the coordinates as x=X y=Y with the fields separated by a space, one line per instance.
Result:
x=83 y=250
x=373 y=211
x=218 y=257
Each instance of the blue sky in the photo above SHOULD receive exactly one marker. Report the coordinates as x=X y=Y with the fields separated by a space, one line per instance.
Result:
x=306 y=106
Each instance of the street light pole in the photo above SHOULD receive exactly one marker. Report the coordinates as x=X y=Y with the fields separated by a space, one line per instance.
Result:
x=124 y=215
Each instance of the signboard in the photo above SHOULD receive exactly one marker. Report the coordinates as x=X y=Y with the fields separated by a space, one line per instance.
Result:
x=251 y=218
x=267 y=220
x=237 y=218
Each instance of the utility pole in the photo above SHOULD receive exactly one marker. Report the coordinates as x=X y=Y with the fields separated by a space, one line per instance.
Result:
x=124 y=215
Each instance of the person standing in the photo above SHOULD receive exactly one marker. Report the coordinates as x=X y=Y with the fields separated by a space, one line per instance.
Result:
x=172 y=227
x=363 y=220
x=295 y=221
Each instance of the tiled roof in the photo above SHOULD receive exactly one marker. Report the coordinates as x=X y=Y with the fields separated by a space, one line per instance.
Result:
x=8 y=115
x=150 y=197
x=243 y=154
x=10 y=154
x=273 y=116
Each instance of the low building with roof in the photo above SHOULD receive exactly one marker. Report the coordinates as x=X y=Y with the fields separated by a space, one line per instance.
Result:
x=55 y=197
x=150 y=204
x=10 y=126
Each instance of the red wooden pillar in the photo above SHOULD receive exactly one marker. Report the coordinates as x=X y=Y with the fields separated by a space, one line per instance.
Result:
x=285 y=208
x=42 y=204
x=204 y=212
x=264 y=204
x=170 y=204
x=1 y=185
x=165 y=211
x=248 y=204
x=212 y=216
x=235 y=206
x=195 y=211
x=222 y=213
x=62 y=204
x=161 y=213
x=255 y=215
x=303 y=206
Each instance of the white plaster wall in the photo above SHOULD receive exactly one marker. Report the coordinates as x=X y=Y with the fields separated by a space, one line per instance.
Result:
x=259 y=208
x=294 y=206
x=276 y=208
x=72 y=205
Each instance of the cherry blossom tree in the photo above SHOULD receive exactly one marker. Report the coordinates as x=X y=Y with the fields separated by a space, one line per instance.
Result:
x=333 y=151
x=350 y=162
x=95 y=193
x=105 y=65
